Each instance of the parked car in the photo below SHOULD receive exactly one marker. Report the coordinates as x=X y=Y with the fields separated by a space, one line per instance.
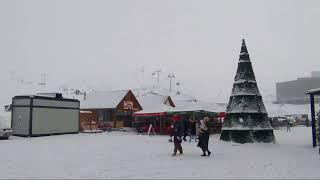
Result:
x=5 y=133
x=5 y=129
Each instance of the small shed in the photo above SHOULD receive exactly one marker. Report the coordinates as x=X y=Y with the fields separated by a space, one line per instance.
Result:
x=44 y=114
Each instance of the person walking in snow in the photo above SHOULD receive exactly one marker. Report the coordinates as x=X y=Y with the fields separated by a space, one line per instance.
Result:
x=204 y=135
x=288 y=127
x=177 y=134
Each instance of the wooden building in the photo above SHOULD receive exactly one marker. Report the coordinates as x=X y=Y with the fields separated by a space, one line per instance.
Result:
x=112 y=109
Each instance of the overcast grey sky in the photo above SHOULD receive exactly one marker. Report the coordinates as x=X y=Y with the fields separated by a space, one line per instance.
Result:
x=102 y=43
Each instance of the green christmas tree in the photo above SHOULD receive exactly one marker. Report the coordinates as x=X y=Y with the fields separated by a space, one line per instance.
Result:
x=246 y=119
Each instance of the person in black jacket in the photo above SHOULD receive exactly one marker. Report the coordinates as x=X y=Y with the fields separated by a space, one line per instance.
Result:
x=204 y=136
x=192 y=129
x=177 y=137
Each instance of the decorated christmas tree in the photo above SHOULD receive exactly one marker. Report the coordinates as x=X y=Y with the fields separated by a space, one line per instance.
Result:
x=246 y=118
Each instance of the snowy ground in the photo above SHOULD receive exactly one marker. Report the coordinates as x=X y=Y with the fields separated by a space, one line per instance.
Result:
x=124 y=155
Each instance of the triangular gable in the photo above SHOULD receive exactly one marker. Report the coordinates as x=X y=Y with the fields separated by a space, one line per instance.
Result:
x=129 y=102
x=169 y=101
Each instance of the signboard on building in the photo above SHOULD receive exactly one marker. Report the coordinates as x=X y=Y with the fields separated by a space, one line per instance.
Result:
x=127 y=104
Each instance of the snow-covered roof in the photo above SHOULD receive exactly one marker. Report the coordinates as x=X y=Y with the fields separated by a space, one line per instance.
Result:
x=314 y=91
x=151 y=100
x=184 y=106
x=160 y=109
x=153 y=104
x=86 y=112
x=164 y=92
x=106 y=100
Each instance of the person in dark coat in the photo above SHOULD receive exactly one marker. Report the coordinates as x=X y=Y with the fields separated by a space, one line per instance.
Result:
x=185 y=128
x=177 y=134
x=192 y=129
x=288 y=126
x=204 y=136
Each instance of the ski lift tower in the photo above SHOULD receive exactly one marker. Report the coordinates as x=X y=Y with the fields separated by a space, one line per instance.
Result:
x=178 y=87
x=157 y=73
x=43 y=80
x=171 y=76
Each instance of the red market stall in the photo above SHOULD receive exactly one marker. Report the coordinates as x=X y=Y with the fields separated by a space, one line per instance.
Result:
x=159 y=120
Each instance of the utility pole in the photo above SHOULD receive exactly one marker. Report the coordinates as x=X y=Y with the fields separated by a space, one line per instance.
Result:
x=43 y=79
x=171 y=76
x=178 y=87
x=158 y=76
x=141 y=79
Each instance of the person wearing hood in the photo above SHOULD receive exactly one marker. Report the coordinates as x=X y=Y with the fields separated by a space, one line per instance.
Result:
x=177 y=134
x=204 y=136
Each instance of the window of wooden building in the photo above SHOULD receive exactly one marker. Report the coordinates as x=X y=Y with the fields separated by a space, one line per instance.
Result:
x=105 y=115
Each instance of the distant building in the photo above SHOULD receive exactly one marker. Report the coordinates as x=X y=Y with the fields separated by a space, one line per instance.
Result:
x=315 y=74
x=293 y=92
